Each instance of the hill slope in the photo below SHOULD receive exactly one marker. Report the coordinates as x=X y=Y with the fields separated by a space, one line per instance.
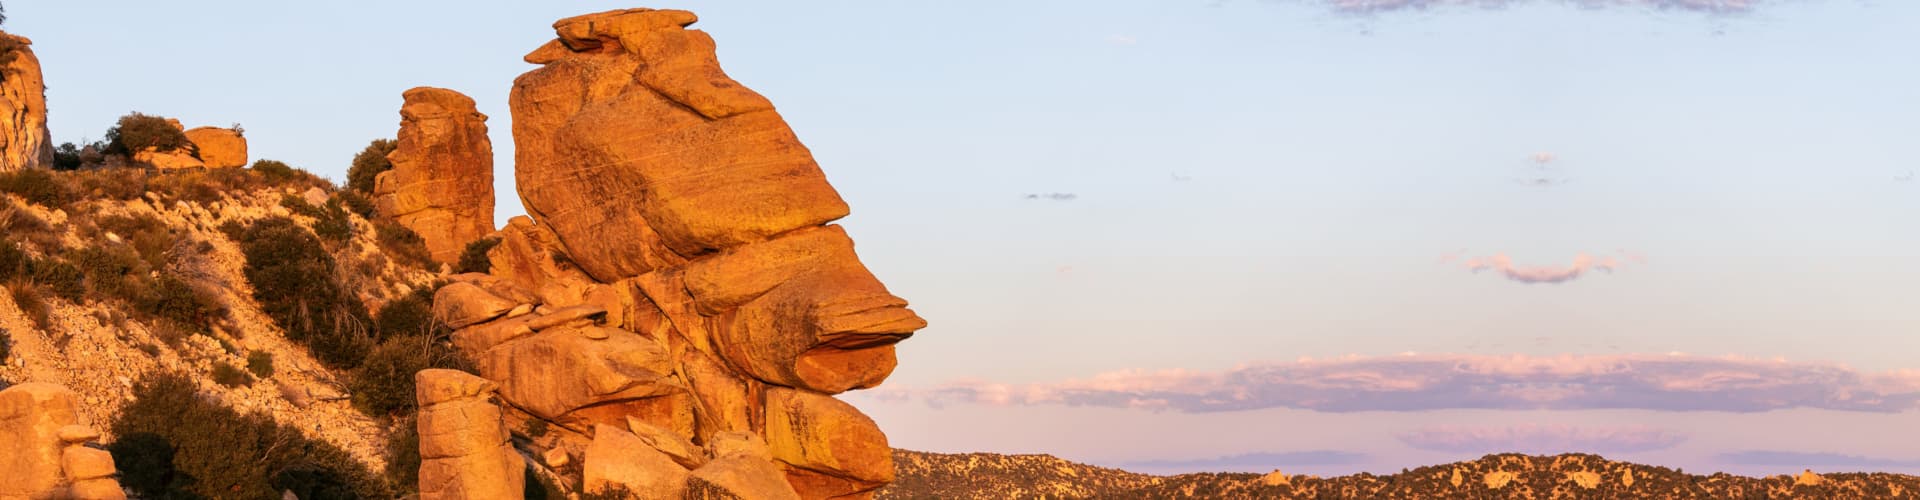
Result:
x=1570 y=476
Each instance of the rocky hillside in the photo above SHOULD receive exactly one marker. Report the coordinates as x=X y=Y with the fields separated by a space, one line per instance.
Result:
x=1571 y=476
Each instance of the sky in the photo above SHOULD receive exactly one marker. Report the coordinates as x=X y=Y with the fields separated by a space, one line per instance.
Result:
x=1175 y=235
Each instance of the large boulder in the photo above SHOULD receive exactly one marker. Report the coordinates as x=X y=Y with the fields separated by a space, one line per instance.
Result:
x=464 y=447
x=44 y=451
x=441 y=184
x=23 y=107
x=219 y=147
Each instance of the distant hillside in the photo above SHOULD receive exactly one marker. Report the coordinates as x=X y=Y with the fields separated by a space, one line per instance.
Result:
x=1571 y=476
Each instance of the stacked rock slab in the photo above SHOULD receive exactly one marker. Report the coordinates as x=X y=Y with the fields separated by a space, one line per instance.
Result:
x=677 y=306
x=44 y=450
x=465 y=450
x=441 y=184
x=23 y=107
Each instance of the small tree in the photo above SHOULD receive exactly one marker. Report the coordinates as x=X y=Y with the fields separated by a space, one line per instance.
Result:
x=369 y=164
x=137 y=132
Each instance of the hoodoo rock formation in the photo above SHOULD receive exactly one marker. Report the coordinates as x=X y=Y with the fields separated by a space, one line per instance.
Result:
x=44 y=451
x=677 y=309
x=441 y=184
x=464 y=448
x=219 y=147
x=23 y=107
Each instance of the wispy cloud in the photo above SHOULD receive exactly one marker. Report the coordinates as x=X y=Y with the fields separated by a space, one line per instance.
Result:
x=1390 y=6
x=1261 y=462
x=1053 y=196
x=1805 y=459
x=1582 y=263
x=1122 y=40
x=1540 y=439
x=1415 y=382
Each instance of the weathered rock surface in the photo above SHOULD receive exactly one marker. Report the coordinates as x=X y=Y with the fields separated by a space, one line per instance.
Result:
x=44 y=451
x=464 y=448
x=692 y=311
x=441 y=184
x=219 y=147
x=23 y=107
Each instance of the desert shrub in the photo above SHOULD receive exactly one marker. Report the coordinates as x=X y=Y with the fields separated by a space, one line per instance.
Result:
x=356 y=203
x=15 y=220
x=220 y=453
x=13 y=260
x=137 y=132
x=407 y=315
x=230 y=376
x=536 y=428
x=145 y=233
x=112 y=271
x=27 y=298
x=66 y=157
x=330 y=222
x=111 y=183
x=60 y=278
x=37 y=186
x=384 y=383
x=198 y=187
x=295 y=283
x=260 y=363
x=369 y=163
x=474 y=259
x=403 y=454
x=175 y=299
x=6 y=345
x=279 y=174
x=402 y=244
x=538 y=487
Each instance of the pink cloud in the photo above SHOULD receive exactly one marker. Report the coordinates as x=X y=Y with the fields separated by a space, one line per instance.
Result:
x=1414 y=382
x=1582 y=263
x=1387 y=6
x=1540 y=439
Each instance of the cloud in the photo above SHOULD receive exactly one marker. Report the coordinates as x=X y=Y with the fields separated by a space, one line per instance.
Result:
x=1122 y=40
x=1804 y=459
x=1390 y=6
x=1415 y=382
x=1582 y=263
x=1540 y=439
x=1053 y=196
x=1256 y=461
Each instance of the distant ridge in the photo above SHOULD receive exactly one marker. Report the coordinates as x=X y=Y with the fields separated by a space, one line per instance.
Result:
x=1570 y=476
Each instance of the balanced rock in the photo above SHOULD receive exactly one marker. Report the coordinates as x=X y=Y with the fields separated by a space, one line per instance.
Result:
x=43 y=447
x=23 y=107
x=694 y=311
x=464 y=447
x=219 y=147
x=441 y=184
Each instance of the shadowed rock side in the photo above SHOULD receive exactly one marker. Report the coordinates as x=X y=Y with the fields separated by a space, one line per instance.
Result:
x=677 y=312
x=441 y=184
x=44 y=451
x=1570 y=476
x=23 y=107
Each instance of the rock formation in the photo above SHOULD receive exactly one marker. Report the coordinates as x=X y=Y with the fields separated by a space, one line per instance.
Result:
x=23 y=107
x=441 y=184
x=464 y=448
x=677 y=305
x=219 y=147
x=175 y=159
x=44 y=451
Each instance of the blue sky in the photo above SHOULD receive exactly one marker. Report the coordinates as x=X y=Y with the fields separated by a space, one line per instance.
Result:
x=1255 y=181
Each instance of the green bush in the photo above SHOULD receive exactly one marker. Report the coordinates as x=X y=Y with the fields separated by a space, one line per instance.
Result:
x=474 y=259
x=384 y=383
x=220 y=453
x=403 y=245
x=295 y=282
x=227 y=375
x=137 y=132
x=37 y=186
x=408 y=315
x=356 y=203
x=369 y=163
x=330 y=222
x=112 y=271
x=148 y=236
x=536 y=428
x=66 y=158
x=173 y=298
x=403 y=454
x=260 y=363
